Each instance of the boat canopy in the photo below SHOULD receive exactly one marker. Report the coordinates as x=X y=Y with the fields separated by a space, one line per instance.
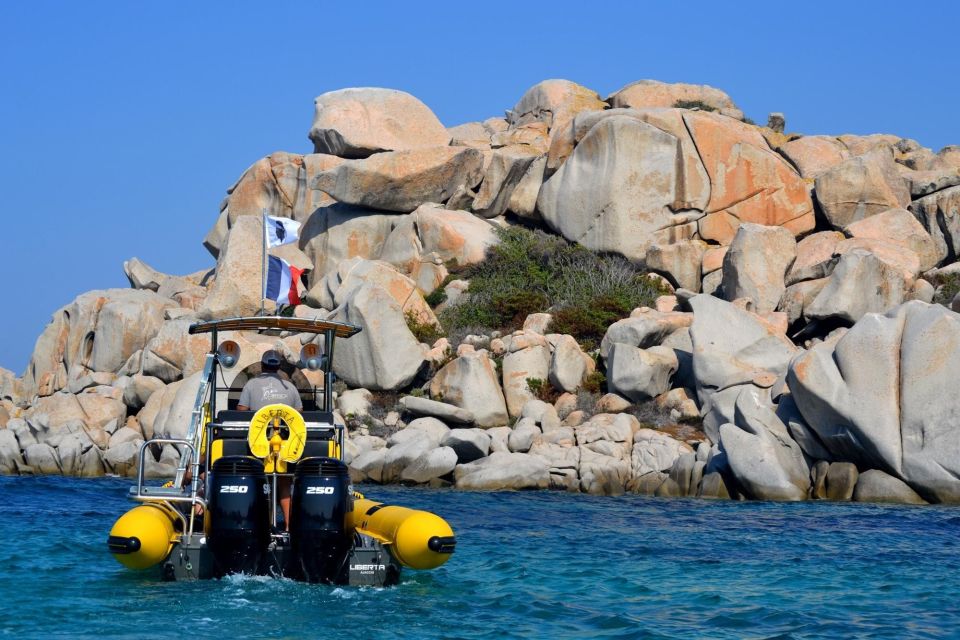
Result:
x=266 y=323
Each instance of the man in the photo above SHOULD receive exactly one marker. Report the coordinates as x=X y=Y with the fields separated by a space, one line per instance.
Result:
x=270 y=388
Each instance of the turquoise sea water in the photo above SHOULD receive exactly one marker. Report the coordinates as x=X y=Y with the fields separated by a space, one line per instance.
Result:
x=528 y=565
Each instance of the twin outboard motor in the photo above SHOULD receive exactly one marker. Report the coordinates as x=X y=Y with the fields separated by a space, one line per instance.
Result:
x=238 y=512
x=321 y=501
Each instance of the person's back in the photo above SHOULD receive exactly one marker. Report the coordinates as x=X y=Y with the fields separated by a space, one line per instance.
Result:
x=269 y=387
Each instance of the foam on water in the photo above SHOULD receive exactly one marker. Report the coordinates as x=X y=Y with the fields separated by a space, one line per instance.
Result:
x=527 y=565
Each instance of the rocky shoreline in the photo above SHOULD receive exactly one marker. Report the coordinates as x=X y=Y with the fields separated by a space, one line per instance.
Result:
x=801 y=343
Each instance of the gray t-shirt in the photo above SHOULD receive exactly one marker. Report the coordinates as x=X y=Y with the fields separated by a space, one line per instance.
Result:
x=269 y=388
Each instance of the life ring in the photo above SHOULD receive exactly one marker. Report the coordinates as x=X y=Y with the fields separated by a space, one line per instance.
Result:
x=291 y=448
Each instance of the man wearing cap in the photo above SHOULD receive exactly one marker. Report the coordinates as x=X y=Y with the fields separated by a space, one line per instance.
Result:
x=270 y=388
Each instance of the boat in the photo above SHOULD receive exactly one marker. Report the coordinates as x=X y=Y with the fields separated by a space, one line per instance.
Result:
x=220 y=514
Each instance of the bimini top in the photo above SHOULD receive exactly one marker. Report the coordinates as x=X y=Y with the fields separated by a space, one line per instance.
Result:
x=264 y=323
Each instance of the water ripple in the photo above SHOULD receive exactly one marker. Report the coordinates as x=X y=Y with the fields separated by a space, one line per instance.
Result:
x=528 y=565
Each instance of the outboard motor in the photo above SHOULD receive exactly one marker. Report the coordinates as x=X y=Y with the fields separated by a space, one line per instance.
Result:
x=238 y=513
x=320 y=503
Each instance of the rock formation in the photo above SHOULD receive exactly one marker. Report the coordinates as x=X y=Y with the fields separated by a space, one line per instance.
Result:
x=793 y=355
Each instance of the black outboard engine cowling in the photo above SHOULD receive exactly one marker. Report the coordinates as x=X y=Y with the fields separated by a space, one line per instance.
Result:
x=239 y=515
x=320 y=503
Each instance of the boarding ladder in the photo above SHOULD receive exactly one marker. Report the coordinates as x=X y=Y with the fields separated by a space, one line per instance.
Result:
x=189 y=458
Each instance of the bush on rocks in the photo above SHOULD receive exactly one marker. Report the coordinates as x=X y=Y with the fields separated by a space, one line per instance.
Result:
x=532 y=271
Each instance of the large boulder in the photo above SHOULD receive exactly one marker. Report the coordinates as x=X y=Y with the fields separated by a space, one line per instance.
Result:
x=756 y=263
x=693 y=184
x=812 y=155
x=122 y=459
x=569 y=366
x=434 y=409
x=351 y=275
x=501 y=470
x=939 y=213
x=506 y=169
x=437 y=463
x=874 y=485
x=749 y=182
x=173 y=352
x=468 y=444
x=562 y=459
x=280 y=185
x=640 y=374
x=644 y=328
x=653 y=93
x=384 y=355
x=98 y=331
x=406 y=451
x=860 y=187
x=339 y=232
x=176 y=408
x=613 y=193
x=124 y=324
x=520 y=366
x=454 y=237
x=470 y=382
x=368 y=465
x=732 y=346
x=10 y=456
x=798 y=297
x=653 y=455
x=876 y=398
x=355 y=123
x=899 y=227
x=923 y=183
x=237 y=288
x=403 y=180
x=525 y=431
x=605 y=443
x=523 y=198
x=861 y=283
x=98 y=413
x=680 y=262
x=761 y=455
x=42 y=459
x=141 y=275
x=555 y=103
x=814 y=257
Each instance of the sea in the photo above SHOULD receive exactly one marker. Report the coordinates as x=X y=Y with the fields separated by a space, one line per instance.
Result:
x=527 y=565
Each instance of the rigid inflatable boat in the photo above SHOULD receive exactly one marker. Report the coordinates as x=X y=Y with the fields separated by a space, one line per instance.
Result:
x=221 y=515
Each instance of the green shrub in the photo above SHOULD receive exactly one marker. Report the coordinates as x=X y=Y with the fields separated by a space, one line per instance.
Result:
x=532 y=271
x=589 y=323
x=436 y=297
x=542 y=390
x=596 y=382
x=693 y=104
x=423 y=331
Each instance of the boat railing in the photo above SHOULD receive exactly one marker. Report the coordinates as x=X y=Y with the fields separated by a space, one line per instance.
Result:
x=171 y=492
x=195 y=431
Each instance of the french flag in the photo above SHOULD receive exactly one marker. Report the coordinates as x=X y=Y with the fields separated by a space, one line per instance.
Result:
x=282 y=279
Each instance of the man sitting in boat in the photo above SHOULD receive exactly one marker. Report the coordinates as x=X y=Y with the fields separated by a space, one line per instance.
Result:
x=270 y=388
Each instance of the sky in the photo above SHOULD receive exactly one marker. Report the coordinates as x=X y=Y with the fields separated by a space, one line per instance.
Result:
x=123 y=123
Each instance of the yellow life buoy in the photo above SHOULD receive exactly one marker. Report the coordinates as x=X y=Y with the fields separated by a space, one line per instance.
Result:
x=291 y=448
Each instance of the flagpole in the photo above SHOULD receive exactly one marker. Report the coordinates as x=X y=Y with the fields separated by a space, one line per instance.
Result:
x=263 y=258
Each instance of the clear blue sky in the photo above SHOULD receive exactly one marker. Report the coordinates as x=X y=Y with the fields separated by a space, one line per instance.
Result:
x=122 y=123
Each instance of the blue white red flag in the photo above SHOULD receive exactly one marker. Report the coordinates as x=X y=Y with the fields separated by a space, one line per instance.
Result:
x=280 y=230
x=282 y=281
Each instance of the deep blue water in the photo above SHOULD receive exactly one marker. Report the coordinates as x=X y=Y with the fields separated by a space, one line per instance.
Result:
x=528 y=565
